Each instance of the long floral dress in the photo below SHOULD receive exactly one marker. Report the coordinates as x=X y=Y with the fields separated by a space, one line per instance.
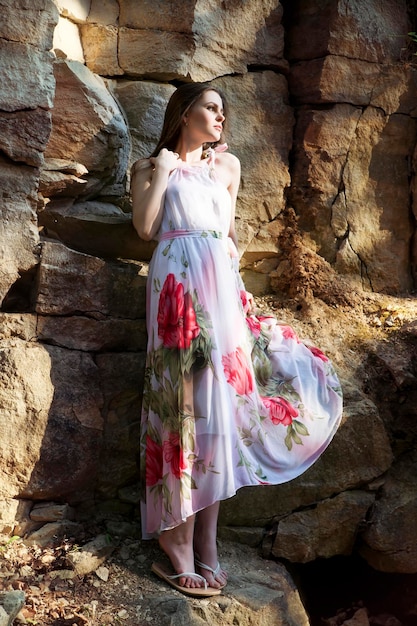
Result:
x=229 y=399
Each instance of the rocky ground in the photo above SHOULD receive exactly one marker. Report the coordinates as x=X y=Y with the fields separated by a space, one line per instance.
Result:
x=123 y=591
x=56 y=595
x=115 y=591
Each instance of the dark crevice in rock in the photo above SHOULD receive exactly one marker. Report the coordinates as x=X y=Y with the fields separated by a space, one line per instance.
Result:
x=21 y=296
x=342 y=585
x=395 y=400
x=278 y=69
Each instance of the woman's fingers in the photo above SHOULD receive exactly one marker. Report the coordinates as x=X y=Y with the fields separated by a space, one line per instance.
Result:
x=166 y=159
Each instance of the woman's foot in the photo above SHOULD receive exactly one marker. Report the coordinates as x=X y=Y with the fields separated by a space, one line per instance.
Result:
x=178 y=546
x=163 y=571
x=216 y=575
x=205 y=547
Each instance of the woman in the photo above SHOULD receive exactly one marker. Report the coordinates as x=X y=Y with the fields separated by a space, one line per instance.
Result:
x=230 y=399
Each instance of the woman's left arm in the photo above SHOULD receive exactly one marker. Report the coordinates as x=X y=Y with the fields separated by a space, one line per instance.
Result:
x=233 y=188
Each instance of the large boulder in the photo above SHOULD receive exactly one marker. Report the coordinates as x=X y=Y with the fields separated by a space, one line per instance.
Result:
x=386 y=549
x=335 y=179
x=97 y=228
x=26 y=96
x=73 y=408
x=25 y=402
x=89 y=128
x=200 y=42
x=144 y=104
x=373 y=31
x=327 y=529
x=355 y=131
x=19 y=251
x=28 y=80
x=28 y=21
x=71 y=282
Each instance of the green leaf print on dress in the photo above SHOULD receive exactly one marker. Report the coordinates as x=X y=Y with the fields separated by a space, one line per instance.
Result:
x=279 y=396
x=168 y=392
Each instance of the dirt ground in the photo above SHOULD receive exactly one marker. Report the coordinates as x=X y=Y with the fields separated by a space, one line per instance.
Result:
x=55 y=596
x=118 y=592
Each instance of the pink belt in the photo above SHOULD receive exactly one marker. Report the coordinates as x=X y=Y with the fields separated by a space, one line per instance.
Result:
x=174 y=234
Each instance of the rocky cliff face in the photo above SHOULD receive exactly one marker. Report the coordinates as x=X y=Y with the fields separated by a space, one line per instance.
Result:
x=325 y=126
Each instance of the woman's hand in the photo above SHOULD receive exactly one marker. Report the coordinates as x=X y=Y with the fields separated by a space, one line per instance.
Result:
x=148 y=192
x=248 y=303
x=251 y=302
x=166 y=160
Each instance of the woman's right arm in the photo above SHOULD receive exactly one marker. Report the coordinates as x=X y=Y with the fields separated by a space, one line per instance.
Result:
x=148 y=187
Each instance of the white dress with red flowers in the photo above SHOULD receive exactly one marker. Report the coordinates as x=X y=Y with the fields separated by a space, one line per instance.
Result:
x=229 y=400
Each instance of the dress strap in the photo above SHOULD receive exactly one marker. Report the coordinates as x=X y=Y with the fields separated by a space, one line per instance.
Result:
x=212 y=154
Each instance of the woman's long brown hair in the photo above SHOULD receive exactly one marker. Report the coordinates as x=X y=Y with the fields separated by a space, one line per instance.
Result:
x=181 y=101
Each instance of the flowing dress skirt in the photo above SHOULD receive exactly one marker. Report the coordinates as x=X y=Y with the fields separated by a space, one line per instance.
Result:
x=230 y=399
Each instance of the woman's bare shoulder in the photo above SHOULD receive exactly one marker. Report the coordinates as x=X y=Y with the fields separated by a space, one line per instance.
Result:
x=228 y=159
x=228 y=170
x=144 y=166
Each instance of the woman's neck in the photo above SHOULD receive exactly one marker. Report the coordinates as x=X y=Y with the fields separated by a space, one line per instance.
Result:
x=189 y=153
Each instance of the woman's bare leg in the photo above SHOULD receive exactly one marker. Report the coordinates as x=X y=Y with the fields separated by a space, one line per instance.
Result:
x=177 y=544
x=205 y=544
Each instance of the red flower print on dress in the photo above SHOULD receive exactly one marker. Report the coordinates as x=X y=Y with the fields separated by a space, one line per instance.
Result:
x=280 y=410
x=254 y=326
x=191 y=328
x=289 y=333
x=237 y=372
x=317 y=352
x=153 y=462
x=177 y=322
x=174 y=455
x=244 y=300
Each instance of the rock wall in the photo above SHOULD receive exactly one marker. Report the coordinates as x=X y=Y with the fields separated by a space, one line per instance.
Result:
x=324 y=121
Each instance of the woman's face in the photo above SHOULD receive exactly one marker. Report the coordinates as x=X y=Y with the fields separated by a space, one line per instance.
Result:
x=204 y=121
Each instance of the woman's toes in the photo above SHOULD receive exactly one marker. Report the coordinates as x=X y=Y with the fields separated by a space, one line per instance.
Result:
x=222 y=577
x=211 y=581
x=190 y=582
x=215 y=579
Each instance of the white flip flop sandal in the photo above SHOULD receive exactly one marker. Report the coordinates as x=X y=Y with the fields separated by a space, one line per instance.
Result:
x=197 y=592
x=210 y=569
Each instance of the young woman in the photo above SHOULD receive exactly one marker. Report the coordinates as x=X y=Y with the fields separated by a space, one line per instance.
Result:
x=230 y=398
